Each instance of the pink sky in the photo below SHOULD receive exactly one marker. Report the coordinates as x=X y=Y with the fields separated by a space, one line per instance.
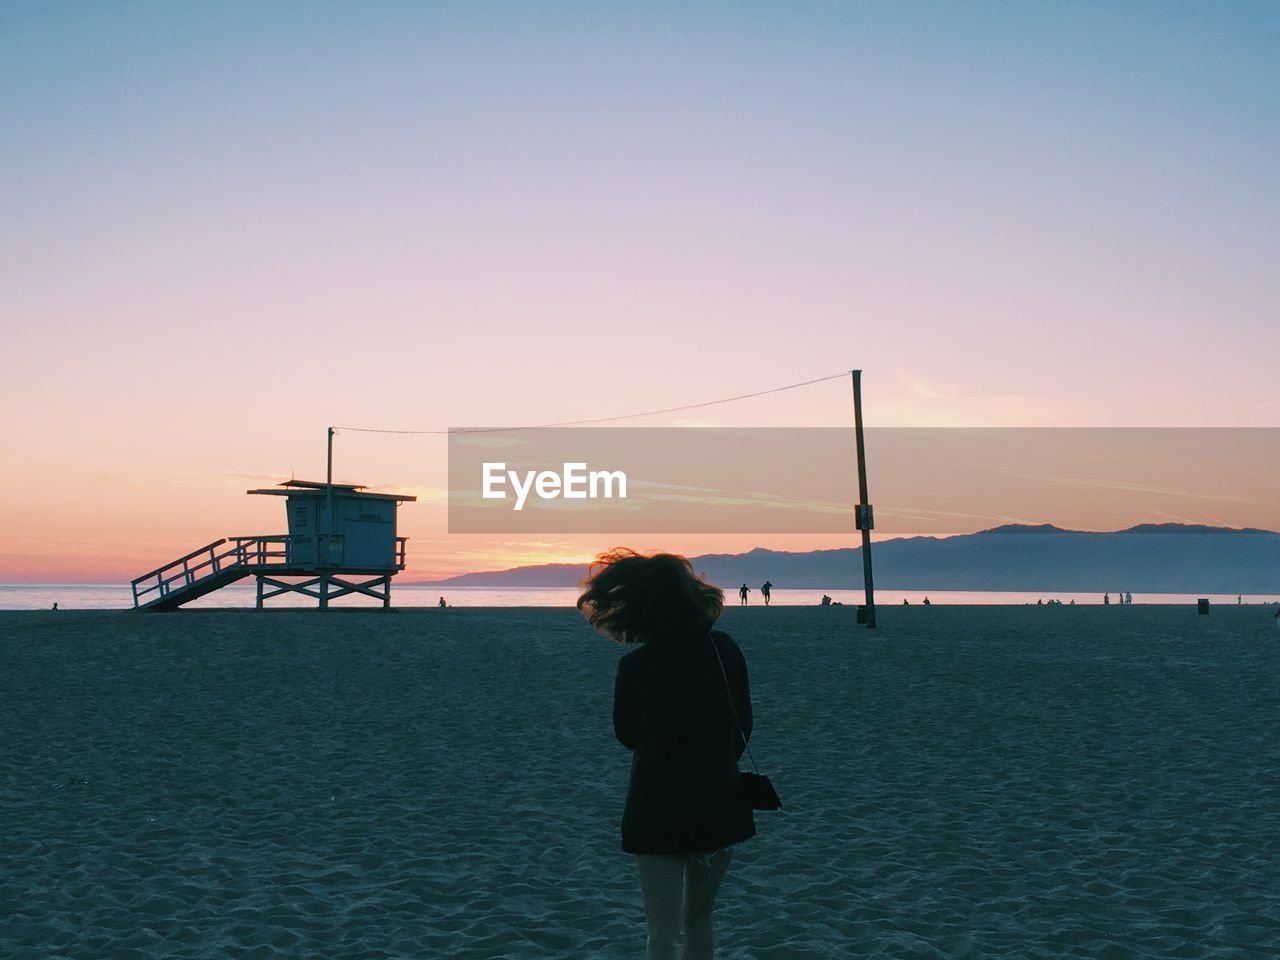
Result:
x=216 y=242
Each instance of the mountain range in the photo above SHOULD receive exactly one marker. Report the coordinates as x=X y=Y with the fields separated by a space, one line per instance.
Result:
x=1151 y=558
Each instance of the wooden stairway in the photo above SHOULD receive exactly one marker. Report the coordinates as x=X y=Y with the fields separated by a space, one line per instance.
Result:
x=210 y=568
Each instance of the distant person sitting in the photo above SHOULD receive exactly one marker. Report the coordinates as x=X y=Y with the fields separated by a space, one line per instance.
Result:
x=906 y=602
x=826 y=601
x=764 y=591
x=926 y=601
x=742 y=594
x=442 y=603
x=55 y=604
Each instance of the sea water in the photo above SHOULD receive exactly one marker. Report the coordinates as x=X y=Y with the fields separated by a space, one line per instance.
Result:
x=120 y=597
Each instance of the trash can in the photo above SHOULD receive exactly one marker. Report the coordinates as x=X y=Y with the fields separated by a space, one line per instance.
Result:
x=1202 y=606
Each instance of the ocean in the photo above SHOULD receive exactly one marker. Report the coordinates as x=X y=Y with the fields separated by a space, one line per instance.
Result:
x=114 y=597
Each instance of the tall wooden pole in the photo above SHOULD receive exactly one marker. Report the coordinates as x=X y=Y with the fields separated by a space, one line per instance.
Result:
x=328 y=503
x=862 y=512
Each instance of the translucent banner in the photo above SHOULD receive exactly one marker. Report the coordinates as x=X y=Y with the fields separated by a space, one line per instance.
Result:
x=804 y=480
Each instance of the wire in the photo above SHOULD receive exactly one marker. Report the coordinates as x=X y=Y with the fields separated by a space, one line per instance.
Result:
x=623 y=416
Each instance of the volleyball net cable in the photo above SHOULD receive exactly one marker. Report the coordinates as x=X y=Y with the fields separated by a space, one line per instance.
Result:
x=611 y=419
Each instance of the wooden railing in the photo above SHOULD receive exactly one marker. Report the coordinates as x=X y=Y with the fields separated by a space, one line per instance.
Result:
x=225 y=554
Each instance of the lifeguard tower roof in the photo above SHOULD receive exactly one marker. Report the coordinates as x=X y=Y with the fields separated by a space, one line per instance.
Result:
x=302 y=488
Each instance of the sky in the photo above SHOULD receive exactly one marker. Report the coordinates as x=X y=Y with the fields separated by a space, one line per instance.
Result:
x=225 y=227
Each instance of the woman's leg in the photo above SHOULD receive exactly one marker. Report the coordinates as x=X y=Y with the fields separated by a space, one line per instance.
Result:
x=702 y=882
x=662 y=886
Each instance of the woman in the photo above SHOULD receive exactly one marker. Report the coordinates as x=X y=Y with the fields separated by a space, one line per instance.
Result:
x=674 y=705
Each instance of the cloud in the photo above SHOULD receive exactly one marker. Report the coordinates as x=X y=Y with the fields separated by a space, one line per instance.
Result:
x=1133 y=487
x=426 y=494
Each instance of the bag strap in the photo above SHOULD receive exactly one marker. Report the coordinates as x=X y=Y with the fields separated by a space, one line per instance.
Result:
x=729 y=691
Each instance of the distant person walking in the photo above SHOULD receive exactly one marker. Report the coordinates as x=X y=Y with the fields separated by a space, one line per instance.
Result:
x=764 y=591
x=1106 y=599
x=742 y=594
x=1128 y=599
x=673 y=705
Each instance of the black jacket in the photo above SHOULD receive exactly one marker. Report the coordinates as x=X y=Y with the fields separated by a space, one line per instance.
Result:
x=671 y=706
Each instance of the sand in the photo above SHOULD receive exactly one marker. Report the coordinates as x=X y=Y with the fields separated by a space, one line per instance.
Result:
x=964 y=782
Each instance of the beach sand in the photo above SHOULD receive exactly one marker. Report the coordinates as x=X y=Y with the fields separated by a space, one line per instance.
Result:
x=963 y=782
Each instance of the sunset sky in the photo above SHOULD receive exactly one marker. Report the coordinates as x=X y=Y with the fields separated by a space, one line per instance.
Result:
x=225 y=227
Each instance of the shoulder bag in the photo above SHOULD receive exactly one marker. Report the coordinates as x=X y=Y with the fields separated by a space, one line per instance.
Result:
x=756 y=787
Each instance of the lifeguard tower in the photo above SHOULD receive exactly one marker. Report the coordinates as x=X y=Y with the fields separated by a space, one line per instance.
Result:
x=336 y=531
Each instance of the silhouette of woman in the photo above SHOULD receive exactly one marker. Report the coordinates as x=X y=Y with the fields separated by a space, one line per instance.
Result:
x=671 y=706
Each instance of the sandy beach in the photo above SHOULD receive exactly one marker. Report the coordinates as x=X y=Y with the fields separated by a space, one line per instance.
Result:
x=963 y=782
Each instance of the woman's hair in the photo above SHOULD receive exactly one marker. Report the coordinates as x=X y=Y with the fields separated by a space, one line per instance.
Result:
x=636 y=599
